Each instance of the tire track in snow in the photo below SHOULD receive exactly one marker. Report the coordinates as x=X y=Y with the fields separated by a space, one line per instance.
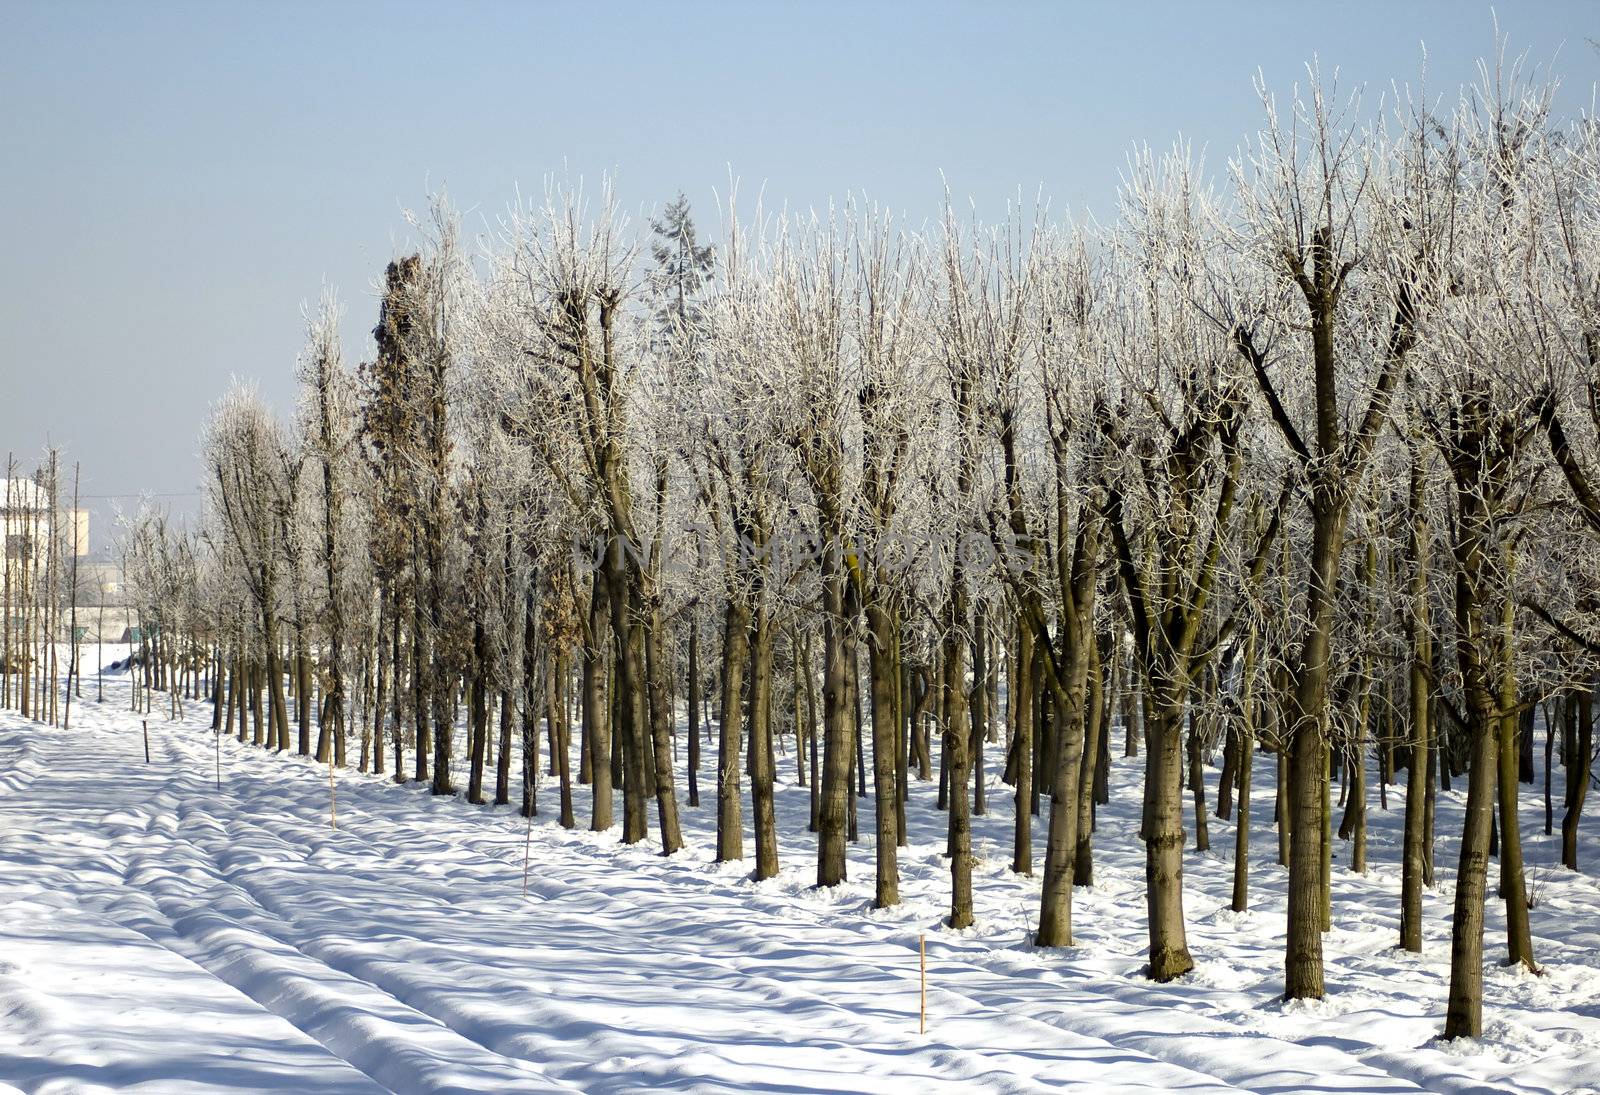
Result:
x=1187 y=1043
x=996 y=983
x=398 y=977
x=1025 y=993
x=397 y=1047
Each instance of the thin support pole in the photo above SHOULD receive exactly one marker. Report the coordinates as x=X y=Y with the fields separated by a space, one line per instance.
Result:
x=527 y=852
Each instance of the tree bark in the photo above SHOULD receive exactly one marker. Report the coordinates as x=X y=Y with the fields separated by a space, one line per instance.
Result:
x=502 y=761
x=1245 y=760
x=561 y=745
x=957 y=735
x=762 y=764
x=596 y=718
x=662 y=712
x=735 y=657
x=838 y=743
x=1579 y=760
x=1197 y=787
x=694 y=712
x=1068 y=676
x=885 y=755
x=478 y=712
x=1163 y=839
x=1418 y=769
x=1022 y=743
x=1519 y=935
x=1464 y=1009
x=1308 y=759
x=628 y=699
x=1094 y=746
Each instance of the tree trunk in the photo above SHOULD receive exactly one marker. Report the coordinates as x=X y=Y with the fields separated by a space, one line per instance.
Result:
x=1356 y=802
x=1550 y=721
x=694 y=713
x=980 y=709
x=1241 y=833
x=1245 y=761
x=1163 y=838
x=811 y=737
x=900 y=683
x=1579 y=760
x=885 y=756
x=235 y=697
x=838 y=744
x=253 y=675
x=561 y=745
x=596 y=720
x=761 y=761
x=1023 y=745
x=957 y=734
x=502 y=762
x=797 y=701
x=1094 y=732
x=1519 y=935
x=1228 y=778
x=1308 y=754
x=628 y=700
x=662 y=716
x=530 y=709
x=302 y=704
x=1464 y=1010
x=277 y=704
x=478 y=743
x=1413 y=873
x=735 y=657
x=1197 y=788
x=442 y=692
x=1061 y=848
x=380 y=700
x=422 y=744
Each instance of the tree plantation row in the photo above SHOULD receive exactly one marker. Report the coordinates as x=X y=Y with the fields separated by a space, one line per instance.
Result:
x=1297 y=461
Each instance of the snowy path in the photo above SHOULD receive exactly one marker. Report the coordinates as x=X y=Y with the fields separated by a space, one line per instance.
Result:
x=158 y=932
x=419 y=966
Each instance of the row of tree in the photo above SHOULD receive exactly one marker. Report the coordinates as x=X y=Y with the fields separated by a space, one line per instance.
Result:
x=1298 y=464
x=40 y=590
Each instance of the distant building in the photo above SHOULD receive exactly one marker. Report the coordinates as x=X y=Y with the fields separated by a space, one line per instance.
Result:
x=27 y=518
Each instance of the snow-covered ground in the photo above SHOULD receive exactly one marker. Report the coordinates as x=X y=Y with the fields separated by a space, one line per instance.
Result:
x=160 y=934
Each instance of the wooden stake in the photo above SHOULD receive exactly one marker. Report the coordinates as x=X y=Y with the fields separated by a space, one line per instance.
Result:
x=527 y=851
x=146 y=724
x=922 y=954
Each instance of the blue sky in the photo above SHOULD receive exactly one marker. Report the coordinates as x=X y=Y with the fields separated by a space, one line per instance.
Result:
x=179 y=177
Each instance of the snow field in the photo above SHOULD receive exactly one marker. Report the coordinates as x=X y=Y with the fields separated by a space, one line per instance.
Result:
x=158 y=934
